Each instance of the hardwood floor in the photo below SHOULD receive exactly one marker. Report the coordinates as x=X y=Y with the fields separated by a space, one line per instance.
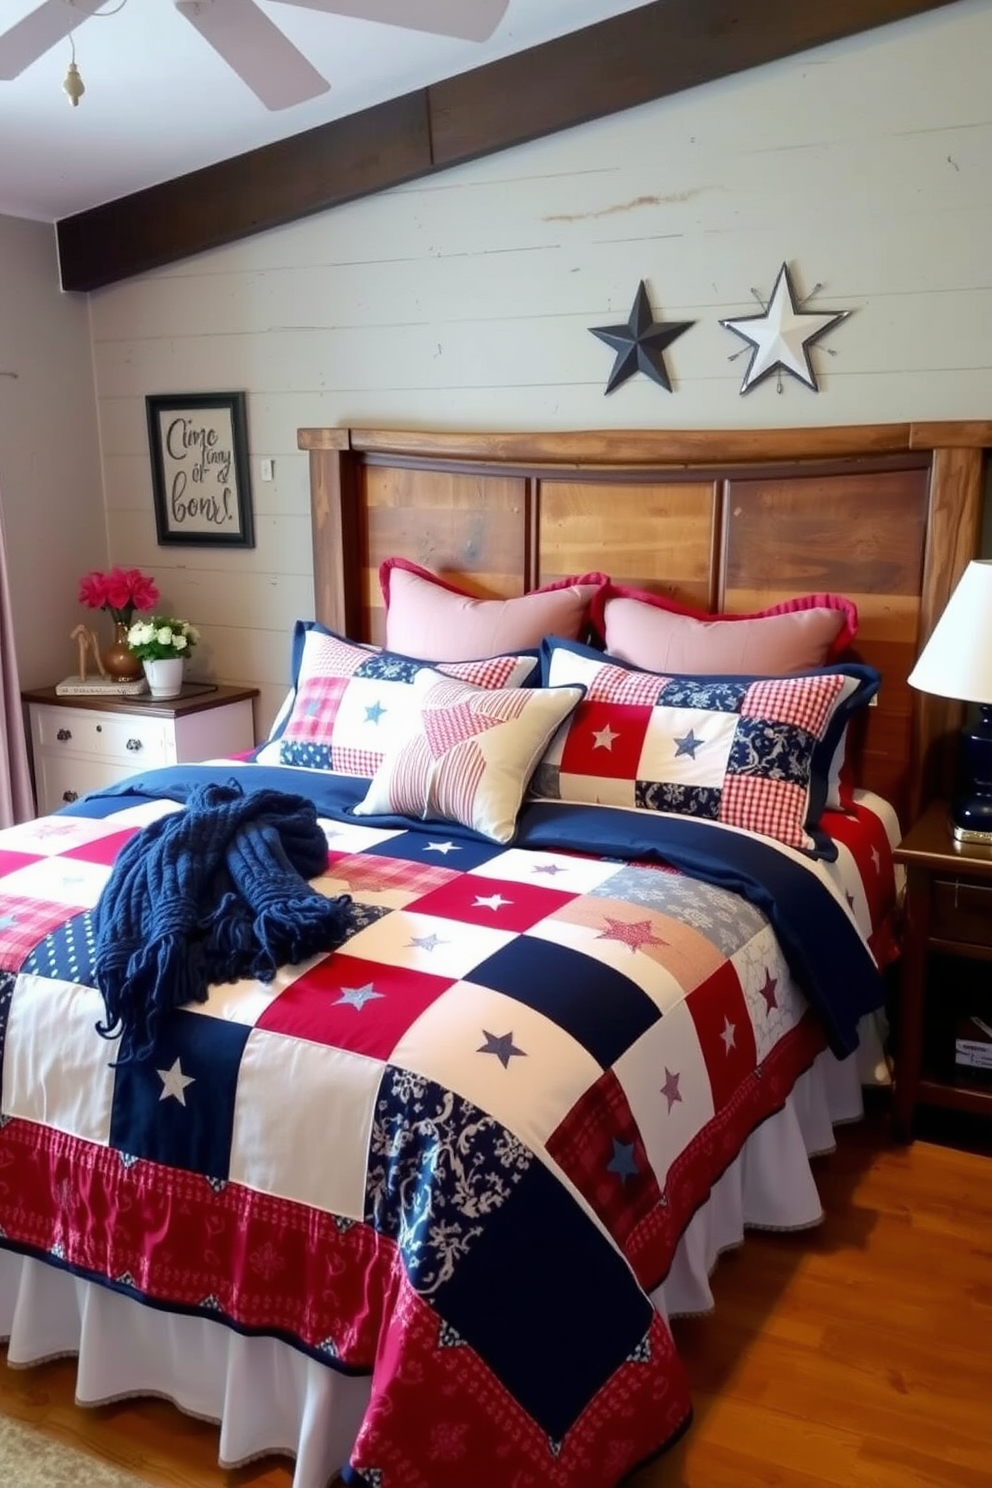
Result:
x=859 y=1354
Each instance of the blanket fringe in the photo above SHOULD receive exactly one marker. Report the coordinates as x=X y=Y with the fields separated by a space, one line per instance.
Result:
x=210 y=894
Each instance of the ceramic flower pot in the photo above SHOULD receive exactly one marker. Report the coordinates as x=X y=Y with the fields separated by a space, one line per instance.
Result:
x=118 y=659
x=165 y=677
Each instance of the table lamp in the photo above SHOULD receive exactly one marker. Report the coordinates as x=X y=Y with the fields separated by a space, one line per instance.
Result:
x=956 y=662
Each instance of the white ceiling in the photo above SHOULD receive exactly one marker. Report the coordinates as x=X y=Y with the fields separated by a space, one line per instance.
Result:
x=160 y=102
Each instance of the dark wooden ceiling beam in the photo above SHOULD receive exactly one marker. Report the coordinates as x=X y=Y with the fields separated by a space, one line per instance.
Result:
x=652 y=52
x=250 y=193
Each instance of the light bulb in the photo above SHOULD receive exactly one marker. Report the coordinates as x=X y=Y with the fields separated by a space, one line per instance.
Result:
x=73 y=85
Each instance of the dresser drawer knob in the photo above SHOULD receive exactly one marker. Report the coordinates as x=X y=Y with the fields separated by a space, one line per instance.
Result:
x=63 y=734
x=134 y=745
x=70 y=795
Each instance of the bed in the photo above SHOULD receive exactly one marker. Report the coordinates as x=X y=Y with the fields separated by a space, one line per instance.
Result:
x=418 y=1207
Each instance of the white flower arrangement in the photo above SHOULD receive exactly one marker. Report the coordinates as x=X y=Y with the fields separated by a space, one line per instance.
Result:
x=161 y=638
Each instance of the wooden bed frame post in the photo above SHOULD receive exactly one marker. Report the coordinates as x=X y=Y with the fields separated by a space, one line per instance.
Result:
x=953 y=533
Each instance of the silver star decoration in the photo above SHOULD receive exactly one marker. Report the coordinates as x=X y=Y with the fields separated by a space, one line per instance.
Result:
x=427 y=942
x=780 y=338
x=442 y=847
x=729 y=1034
x=640 y=344
x=604 y=738
x=494 y=902
x=174 y=1083
x=357 y=997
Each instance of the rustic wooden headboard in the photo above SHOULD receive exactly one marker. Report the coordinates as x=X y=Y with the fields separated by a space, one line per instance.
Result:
x=888 y=514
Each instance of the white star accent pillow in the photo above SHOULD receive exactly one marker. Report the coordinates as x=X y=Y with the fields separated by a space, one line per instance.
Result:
x=467 y=754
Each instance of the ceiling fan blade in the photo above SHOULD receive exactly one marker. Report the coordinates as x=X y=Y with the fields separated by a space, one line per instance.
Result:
x=265 y=60
x=32 y=37
x=472 y=20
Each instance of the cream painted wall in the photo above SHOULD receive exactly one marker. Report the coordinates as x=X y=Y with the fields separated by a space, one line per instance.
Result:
x=465 y=301
x=50 y=475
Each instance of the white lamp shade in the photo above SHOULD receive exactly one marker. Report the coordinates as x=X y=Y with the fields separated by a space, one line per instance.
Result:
x=956 y=661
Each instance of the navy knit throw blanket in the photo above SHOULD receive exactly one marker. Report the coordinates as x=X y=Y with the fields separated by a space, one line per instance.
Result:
x=213 y=893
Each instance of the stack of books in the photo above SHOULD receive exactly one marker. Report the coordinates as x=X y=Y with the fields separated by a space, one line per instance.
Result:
x=109 y=687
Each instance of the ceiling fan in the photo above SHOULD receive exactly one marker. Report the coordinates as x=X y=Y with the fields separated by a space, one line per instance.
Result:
x=266 y=61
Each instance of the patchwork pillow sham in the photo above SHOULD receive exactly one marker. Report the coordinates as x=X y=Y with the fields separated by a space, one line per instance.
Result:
x=468 y=754
x=348 y=700
x=651 y=631
x=431 y=618
x=753 y=752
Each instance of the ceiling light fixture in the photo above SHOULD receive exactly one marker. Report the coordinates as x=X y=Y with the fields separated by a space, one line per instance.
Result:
x=72 y=84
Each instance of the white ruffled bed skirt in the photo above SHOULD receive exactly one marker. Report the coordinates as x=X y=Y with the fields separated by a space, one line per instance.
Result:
x=267 y=1397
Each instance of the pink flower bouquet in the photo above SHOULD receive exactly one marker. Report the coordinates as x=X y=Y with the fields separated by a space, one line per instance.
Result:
x=120 y=592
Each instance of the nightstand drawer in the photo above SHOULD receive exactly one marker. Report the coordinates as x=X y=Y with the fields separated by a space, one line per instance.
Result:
x=961 y=911
x=61 y=778
x=140 y=742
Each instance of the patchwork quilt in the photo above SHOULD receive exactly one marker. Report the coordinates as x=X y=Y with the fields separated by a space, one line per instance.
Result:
x=457 y=1153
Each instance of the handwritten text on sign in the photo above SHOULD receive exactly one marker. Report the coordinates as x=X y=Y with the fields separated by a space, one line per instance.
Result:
x=198 y=459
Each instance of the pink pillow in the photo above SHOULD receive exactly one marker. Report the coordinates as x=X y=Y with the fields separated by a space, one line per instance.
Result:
x=433 y=620
x=650 y=631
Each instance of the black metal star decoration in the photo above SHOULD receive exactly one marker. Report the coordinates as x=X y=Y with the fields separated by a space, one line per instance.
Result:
x=640 y=344
x=780 y=338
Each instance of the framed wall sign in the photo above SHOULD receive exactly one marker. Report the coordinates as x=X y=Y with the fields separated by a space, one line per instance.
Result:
x=200 y=476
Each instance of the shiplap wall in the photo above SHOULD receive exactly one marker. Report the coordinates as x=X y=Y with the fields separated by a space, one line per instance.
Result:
x=465 y=301
x=50 y=479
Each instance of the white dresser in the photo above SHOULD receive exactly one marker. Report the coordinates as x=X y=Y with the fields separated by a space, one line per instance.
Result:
x=81 y=744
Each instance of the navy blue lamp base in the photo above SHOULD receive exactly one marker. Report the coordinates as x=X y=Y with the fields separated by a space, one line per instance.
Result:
x=971 y=809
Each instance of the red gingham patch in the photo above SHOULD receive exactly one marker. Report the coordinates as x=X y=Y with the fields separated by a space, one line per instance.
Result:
x=348 y=761
x=368 y=872
x=615 y=685
x=606 y=739
x=335 y=657
x=24 y=923
x=803 y=701
x=599 y=1147
x=353 y=1004
x=775 y=808
x=317 y=704
x=492 y=672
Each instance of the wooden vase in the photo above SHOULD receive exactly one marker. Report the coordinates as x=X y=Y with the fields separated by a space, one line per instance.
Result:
x=118 y=659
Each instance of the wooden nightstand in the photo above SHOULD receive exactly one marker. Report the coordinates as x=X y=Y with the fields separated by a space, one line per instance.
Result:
x=948 y=931
x=81 y=744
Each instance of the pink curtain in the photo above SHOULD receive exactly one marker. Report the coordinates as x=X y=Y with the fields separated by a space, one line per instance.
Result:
x=16 y=795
